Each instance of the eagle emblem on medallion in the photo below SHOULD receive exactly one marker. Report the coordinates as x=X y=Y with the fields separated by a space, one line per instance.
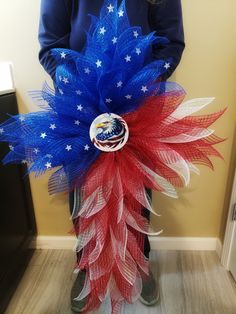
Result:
x=109 y=132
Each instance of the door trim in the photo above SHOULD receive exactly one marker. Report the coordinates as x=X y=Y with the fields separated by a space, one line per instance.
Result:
x=230 y=229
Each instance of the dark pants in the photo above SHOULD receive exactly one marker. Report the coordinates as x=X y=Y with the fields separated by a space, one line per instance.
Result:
x=74 y=200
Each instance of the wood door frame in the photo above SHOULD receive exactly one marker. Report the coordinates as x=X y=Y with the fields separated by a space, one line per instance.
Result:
x=230 y=229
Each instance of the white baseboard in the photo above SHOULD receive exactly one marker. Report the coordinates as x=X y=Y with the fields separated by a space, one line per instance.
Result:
x=184 y=243
x=157 y=243
x=53 y=242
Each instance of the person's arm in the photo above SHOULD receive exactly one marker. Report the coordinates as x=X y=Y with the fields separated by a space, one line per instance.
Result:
x=166 y=19
x=54 y=31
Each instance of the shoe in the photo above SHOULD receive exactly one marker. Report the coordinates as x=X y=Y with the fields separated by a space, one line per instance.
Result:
x=78 y=306
x=150 y=292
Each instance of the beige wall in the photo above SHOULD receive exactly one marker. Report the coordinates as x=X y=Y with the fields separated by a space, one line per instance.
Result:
x=208 y=68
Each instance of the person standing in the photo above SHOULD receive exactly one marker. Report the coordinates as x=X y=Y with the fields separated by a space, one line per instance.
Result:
x=63 y=24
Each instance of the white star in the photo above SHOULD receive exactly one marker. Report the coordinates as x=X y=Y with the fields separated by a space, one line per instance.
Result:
x=128 y=96
x=63 y=55
x=167 y=65
x=21 y=118
x=110 y=8
x=108 y=100
x=77 y=122
x=52 y=126
x=128 y=58
x=135 y=34
x=65 y=80
x=11 y=147
x=98 y=63
x=102 y=30
x=79 y=107
x=138 y=51
x=144 y=89
x=78 y=92
x=121 y=13
x=1 y=130
x=48 y=165
x=87 y=70
x=61 y=91
x=36 y=150
x=43 y=135
x=68 y=147
x=119 y=84
x=86 y=147
x=24 y=161
x=114 y=40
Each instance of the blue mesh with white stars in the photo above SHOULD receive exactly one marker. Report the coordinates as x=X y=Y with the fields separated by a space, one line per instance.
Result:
x=114 y=73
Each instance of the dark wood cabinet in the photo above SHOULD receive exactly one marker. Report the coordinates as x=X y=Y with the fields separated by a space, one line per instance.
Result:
x=17 y=220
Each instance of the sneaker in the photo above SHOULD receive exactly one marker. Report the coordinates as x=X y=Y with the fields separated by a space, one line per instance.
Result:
x=150 y=292
x=78 y=306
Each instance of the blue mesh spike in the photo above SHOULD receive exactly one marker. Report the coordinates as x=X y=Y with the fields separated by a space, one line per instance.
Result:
x=12 y=157
x=122 y=18
x=109 y=7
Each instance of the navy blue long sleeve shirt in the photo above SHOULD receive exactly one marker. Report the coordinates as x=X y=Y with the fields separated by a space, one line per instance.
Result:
x=63 y=24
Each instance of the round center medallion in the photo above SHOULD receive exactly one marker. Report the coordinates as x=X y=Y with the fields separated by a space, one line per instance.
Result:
x=109 y=132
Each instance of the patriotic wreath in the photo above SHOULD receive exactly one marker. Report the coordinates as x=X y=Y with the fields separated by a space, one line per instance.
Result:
x=112 y=128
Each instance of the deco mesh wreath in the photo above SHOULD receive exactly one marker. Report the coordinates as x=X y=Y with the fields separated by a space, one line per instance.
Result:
x=112 y=129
